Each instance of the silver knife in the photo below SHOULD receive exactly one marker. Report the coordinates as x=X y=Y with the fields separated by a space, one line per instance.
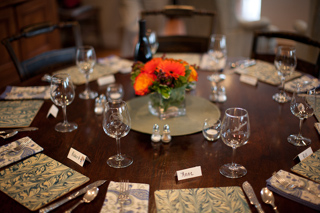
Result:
x=252 y=196
x=19 y=130
x=72 y=196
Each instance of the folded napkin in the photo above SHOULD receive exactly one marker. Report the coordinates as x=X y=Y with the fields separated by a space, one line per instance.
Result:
x=138 y=198
x=31 y=148
x=299 y=194
x=116 y=63
x=307 y=82
x=19 y=93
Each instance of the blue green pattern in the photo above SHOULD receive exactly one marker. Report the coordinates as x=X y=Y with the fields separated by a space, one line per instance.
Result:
x=266 y=72
x=18 y=113
x=309 y=167
x=220 y=199
x=38 y=180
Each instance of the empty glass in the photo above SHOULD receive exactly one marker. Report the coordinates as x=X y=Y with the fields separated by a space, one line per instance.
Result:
x=152 y=38
x=235 y=132
x=211 y=129
x=62 y=94
x=85 y=60
x=285 y=62
x=218 y=56
x=116 y=124
x=114 y=92
x=300 y=107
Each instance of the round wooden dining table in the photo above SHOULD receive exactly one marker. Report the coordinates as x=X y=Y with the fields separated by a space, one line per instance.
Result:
x=155 y=164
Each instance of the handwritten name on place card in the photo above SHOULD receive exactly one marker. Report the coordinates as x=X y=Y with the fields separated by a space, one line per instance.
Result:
x=189 y=173
x=77 y=157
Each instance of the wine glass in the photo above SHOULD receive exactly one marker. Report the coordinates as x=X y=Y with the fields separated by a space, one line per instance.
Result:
x=116 y=124
x=235 y=132
x=300 y=107
x=218 y=56
x=114 y=92
x=62 y=94
x=86 y=59
x=152 y=38
x=285 y=62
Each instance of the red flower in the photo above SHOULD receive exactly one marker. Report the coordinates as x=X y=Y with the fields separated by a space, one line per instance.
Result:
x=151 y=65
x=172 y=68
x=142 y=83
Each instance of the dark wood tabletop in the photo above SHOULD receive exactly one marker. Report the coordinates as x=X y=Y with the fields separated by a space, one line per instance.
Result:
x=267 y=150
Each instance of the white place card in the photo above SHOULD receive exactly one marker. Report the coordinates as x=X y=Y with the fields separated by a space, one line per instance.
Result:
x=304 y=154
x=106 y=80
x=77 y=157
x=249 y=80
x=317 y=126
x=189 y=173
x=53 y=111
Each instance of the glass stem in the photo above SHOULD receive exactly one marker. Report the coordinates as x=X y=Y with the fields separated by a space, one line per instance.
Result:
x=300 y=127
x=87 y=83
x=282 y=85
x=232 y=160
x=119 y=157
x=64 y=109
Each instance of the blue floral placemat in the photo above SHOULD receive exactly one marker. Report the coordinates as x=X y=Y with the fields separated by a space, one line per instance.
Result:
x=265 y=72
x=18 y=113
x=20 y=93
x=137 y=203
x=38 y=180
x=219 y=199
x=309 y=167
x=30 y=148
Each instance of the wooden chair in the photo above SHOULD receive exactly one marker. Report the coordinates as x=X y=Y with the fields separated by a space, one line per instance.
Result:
x=302 y=65
x=48 y=60
x=182 y=43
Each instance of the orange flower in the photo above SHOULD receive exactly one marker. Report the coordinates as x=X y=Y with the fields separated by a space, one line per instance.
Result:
x=151 y=65
x=193 y=75
x=172 y=68
x=142 y=83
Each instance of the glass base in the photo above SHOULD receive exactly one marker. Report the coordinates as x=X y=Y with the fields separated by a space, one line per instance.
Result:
x=88 y=94
x=281 y=97
x=119 y=162
x=233 y=170
x=66 y=127
x=299 y=140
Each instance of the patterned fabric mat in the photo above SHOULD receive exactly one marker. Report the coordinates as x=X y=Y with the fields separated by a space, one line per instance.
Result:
x=191 y=58
x=18 y=113
x=309 y=167
x=137 y=203
x=79 y=78
x=220 y=199
x=265 y=72
x=315 y=106
x=29 y=149
x=38 y=180
x=18 y=93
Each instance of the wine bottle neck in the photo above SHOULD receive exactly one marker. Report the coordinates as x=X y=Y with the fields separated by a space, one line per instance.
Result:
x=142 y=28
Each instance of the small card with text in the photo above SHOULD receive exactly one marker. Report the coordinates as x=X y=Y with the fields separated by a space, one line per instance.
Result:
x=189 y=173
x=249 y=80
x=53 y=111
x=303 y=154
x=77 y=157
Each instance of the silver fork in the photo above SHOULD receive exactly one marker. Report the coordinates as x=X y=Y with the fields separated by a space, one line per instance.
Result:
x=290 y=185
x=15 y=149
x=124 y=193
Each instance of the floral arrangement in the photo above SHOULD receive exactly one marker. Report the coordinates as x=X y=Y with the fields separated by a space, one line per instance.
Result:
x=162 y=75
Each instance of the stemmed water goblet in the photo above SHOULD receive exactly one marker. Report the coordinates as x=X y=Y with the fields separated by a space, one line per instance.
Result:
x=86 y=60
x=116 y=124
x=300 y=107
x=152 y=38
x=62 y=94
x=235 y=132
x=285 y=62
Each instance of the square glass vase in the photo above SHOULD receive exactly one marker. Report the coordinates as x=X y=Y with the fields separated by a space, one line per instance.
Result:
x=171 y=107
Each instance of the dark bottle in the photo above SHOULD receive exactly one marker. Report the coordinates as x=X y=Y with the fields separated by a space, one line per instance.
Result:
x=142 y=51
